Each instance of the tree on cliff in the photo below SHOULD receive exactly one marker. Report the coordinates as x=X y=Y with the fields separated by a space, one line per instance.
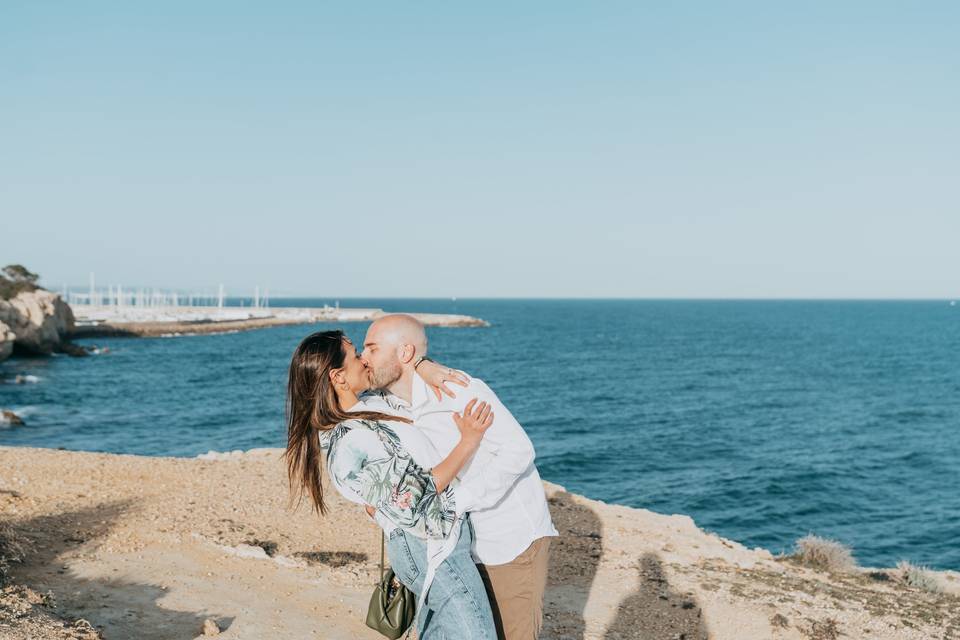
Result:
x=15 y=279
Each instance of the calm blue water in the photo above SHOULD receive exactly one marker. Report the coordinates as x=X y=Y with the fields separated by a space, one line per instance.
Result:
x=765 y=421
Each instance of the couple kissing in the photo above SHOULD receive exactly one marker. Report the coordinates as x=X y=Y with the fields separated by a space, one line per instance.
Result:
x=448 y=476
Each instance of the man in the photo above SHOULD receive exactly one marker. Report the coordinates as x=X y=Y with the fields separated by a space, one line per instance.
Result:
x=499 y=487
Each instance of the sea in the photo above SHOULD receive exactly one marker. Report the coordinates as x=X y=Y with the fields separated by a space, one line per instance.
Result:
x=764 y=421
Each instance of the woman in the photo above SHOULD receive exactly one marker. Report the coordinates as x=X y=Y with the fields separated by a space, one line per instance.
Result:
x=380 y=461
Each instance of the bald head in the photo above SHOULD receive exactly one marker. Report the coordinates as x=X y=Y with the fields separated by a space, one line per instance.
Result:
x=399 y=329
x=392 y=345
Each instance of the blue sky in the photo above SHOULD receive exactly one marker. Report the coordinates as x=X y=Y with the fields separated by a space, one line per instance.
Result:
x=485 y=149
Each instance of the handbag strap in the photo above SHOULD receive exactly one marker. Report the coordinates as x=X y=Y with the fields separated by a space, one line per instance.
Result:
x=382 y=536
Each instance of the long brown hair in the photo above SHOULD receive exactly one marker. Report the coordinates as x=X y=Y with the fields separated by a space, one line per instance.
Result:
x=312 y=406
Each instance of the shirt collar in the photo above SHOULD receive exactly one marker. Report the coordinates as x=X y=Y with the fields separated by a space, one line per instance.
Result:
x=370 y=400
x=421 y=394
x=326 y=436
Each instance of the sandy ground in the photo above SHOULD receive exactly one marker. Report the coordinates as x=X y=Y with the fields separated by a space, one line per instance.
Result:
x=98 y=321
x=150 y=548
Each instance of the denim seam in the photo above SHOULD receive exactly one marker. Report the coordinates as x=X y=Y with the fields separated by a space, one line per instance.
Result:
x=408 y=557
x=477 y=609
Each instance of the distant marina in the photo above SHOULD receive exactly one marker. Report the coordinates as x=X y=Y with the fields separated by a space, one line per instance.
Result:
x=167 y=321
x=151 y=312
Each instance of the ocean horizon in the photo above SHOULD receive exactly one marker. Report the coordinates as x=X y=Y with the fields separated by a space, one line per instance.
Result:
x=764 y=420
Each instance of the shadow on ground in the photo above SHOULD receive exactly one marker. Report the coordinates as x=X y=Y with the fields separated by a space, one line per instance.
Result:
x=654 y=611
x=119 y=608
x=574 y=557
x=335 y=559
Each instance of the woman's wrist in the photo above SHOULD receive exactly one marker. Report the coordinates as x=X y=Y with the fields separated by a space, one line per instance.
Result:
x=471 y=442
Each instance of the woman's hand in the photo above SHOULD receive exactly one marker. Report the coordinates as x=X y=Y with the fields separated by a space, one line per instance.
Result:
x=474 y=422
x=436 y=375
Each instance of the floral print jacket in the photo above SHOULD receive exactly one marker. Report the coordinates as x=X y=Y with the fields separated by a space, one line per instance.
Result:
x=366 y=459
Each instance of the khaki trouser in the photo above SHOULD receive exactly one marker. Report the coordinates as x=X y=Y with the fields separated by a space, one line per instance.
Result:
x=516 y=592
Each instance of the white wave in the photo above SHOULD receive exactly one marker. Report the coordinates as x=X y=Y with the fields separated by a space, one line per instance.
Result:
x=239 y=453
x=195 y=334
x=220 y=455
x=23 y=379
x=21 y=412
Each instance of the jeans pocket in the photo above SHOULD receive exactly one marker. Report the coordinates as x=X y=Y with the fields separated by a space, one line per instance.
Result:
x=401 y=558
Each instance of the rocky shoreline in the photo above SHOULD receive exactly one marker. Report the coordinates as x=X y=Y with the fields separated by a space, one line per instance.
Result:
x=34 y=323
x=159 y=548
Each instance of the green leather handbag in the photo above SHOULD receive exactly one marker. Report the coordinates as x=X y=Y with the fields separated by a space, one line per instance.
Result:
x=393 y=607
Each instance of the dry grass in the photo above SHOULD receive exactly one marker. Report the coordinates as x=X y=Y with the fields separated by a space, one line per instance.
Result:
x=11 y=544
x=12 y=549
x=824 y=555
x=823 y=630
x=779 y=621
x=918 y=577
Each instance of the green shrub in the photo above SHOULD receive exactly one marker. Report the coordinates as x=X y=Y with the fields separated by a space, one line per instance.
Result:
x=15 y=279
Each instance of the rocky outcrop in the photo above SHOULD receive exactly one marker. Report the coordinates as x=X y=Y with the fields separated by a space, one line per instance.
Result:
x=34 y=322
x=7 y=337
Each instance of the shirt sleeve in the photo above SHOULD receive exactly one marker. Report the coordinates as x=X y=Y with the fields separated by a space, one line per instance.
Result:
x=348 y=457
x=400 y=490
x=505 y=454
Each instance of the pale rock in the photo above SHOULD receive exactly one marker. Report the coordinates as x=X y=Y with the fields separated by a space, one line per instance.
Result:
x=7 y=337
x=210 y=627
x=39 y=321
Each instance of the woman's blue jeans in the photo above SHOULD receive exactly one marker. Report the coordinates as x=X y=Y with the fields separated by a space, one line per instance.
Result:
x=457 y=607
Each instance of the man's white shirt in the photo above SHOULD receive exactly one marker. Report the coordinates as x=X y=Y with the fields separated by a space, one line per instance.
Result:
x=500 y=486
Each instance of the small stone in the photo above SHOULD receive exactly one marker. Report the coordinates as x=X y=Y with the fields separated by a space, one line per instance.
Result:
x=10 y=417
x=210 y=627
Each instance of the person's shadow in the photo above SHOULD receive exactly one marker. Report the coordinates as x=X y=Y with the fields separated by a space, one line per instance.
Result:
x=574 y=557
x=48 y=537
x=653 y=611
